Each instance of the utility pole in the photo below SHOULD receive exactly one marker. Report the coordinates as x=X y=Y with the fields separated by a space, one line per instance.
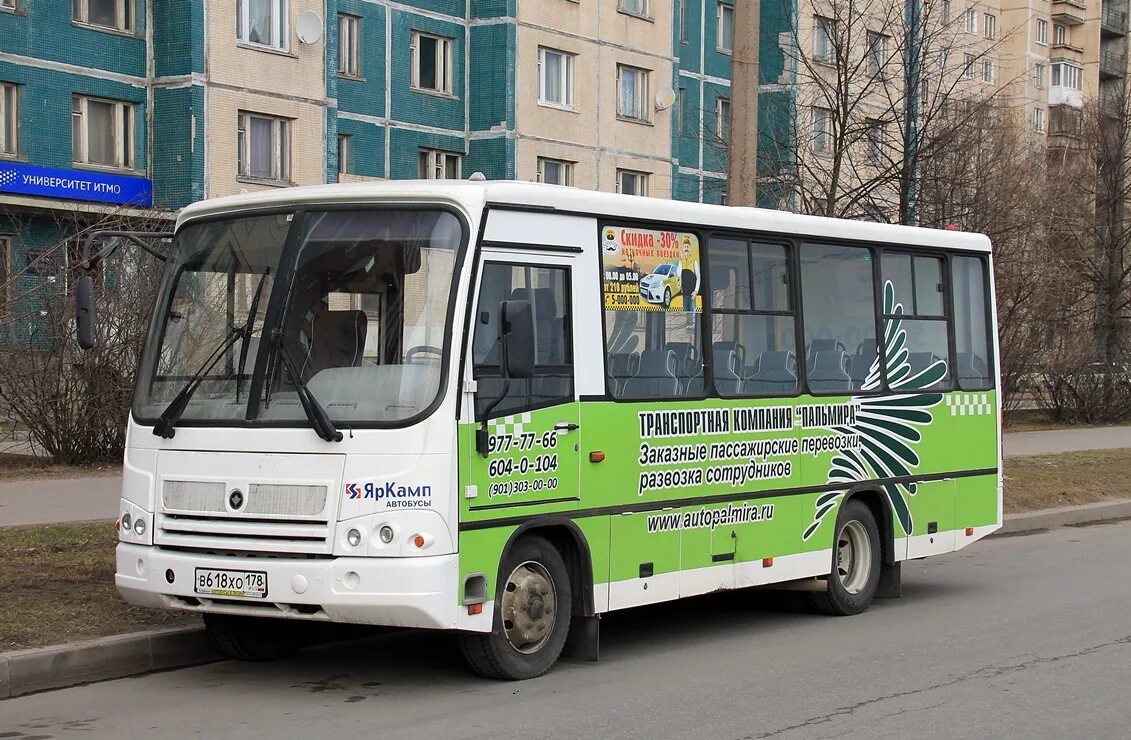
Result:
x=742 y=168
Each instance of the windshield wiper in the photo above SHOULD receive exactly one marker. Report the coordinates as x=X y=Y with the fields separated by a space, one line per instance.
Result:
x=172 y=413
x=251 y=312
x=314 y=411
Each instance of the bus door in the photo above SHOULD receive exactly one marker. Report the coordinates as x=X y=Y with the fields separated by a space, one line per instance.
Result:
x=533 y=434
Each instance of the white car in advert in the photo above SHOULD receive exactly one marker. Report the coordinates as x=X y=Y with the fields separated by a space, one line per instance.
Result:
x=661 y=284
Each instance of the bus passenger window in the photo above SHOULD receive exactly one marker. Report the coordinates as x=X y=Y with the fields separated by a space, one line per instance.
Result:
x=752 y=327
x=840 y=316
x=972 y=347
x=913 y=305
x=547 y=290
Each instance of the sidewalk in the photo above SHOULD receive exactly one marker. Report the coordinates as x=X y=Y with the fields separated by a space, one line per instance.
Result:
x=81 y=499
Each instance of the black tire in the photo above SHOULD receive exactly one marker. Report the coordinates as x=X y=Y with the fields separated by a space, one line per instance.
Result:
x=256 y=639
x=667 y=297
x=855 y=520
x=492 y=655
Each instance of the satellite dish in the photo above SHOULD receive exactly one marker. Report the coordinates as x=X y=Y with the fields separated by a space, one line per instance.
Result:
x=308 y=26
x=664 y=98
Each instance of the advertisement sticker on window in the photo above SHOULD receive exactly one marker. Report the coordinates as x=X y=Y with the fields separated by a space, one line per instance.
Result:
x=643 y=269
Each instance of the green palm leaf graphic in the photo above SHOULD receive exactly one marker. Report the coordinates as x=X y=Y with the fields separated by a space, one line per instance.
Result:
x=886 y=425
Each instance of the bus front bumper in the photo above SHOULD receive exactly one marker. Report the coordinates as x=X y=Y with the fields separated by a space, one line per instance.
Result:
x=398 y=592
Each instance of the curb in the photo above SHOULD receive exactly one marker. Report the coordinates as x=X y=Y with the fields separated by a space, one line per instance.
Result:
x=1064 y=517
x=58 y=666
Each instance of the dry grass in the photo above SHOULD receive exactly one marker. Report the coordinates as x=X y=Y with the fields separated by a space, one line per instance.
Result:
x=57 y=585
x=26 y=467
x=1034 y=420
x=1067 y=479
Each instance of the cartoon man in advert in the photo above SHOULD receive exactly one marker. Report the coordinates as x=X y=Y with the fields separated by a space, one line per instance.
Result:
x=689 y=274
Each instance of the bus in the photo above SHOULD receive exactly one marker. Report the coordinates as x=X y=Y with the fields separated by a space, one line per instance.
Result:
x=505 y=409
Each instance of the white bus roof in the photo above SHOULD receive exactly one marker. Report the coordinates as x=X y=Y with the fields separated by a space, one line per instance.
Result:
x=474 y=195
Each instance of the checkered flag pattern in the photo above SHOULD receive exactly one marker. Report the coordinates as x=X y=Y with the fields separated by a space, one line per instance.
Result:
x=7 y=177
x=511 y=425
x=969 y=404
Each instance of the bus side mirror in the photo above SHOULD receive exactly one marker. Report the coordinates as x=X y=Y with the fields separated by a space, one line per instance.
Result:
x=518 y=339
x=84 y=311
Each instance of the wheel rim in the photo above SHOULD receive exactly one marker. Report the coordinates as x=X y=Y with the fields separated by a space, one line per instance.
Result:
x=529 y=607
x=853 y=557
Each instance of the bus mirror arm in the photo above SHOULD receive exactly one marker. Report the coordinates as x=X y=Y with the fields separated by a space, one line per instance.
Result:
x=516 y=337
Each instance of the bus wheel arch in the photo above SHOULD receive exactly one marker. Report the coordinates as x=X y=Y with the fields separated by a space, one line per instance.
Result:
x=856 y=557
x=564 y=534
x=877 y=502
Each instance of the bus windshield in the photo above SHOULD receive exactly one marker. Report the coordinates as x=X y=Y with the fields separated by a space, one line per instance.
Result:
x=358 y=299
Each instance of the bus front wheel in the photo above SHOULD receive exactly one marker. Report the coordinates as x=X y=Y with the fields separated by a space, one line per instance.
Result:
x=532 y=615
x=855 y=572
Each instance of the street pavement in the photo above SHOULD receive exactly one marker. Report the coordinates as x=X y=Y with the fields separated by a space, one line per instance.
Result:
x=40 y=502
x=1014 y=637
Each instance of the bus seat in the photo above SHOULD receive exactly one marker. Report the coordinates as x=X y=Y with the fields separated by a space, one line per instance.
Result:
x=920 y=361
x=822 y=345
x=337 y=339
x=858 y=367
x=549 y=328
x=620 y=370
x=655 y=376
x=868 y=348
x=726 y=369
x=970 y=367
x=827 y=373
x=687 y=361
x=774 y=374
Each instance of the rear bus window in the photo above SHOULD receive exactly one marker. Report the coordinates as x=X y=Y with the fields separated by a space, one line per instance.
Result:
x=972 y=346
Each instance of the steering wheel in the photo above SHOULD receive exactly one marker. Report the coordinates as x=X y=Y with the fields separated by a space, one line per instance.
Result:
x=422 y=349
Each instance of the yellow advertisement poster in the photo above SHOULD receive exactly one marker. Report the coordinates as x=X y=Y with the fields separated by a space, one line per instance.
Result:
x=645 y=270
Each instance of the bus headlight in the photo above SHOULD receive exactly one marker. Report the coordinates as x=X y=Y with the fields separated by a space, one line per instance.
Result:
x=139 y=526
x=353 y=537
x=386 y=534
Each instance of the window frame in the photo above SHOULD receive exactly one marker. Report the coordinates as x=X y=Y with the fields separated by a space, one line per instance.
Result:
x=10 y=5
x=642 y=93
x=876 y=45
x=1041 y=32
x=875 y=140
x=281 y=156
x=565 y=78
x=722 y=118
x=641 y=177
x=280 y=26
x=437 y=160
x=1059 y=34
x=124 y=120
x=722 y=8
x=9 y=119
x=565 y=164
x=971 y=20
x=947 y=316
x=349 y=59
x=824 y=35
x=990 y=329
x=823 y=135
x=125 y=16
x=445 y=64
x=988 y=71
x=1039 y=120
x=989 y=26
x=968 y=62
x=345 y=144
x=1039 y=74
x=644 y=13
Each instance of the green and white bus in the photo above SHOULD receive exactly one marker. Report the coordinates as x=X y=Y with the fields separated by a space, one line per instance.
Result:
x=505 y=409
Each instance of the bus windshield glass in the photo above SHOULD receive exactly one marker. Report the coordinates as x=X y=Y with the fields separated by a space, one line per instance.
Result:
x=358 y=300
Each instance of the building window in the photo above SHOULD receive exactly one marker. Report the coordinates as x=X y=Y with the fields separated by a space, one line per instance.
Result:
x=102 y=132
x=349 y=53
x=115 y=14
x=262 y=22
x=555 y=78
x=1042 y=32
x=1059 y=35
x=877 y=52
x=681 y=108
x=725 y=36
x=987 y=70
x=824 y=31
x=555 y=171
x=1039 y=74
x=875 y=139
x=1039 y=120
x=632 y=92
x=431 y=62
x=9 y=118
x=722 y=119
x=642 y=8
x=7 y=4
x=989 y=26
x=682 y=21
x=264 y=144
x=822 y=129
x=344 y=147
x=943 y=58
x=438 y=165
x=1066 y=75
x=968 y=66
x=630 y=182
x=944 y=12
x=971 y=21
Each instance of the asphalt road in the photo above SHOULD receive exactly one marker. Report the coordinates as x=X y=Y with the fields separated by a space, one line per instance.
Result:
x=1015 y=637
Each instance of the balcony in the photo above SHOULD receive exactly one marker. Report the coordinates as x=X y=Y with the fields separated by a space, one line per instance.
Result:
x=1113 y=22
x=1111 y=104
x=1068 y=12
x=1112 y=64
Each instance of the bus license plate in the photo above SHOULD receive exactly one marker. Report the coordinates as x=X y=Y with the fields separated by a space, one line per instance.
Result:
x=249 y=584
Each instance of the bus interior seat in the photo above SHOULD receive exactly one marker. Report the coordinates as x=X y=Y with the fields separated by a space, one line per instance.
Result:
x=655 y=377
x=775 y=373
x=920 y=361
x=828 y=374
x=688 y=364
x=622 y=366
x=337 y=339
x=822 y=345
x=858 y=368
x=970 y=367
x=726 y=365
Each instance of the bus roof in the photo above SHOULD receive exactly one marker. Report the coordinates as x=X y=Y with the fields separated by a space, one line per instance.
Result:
x=474 y=195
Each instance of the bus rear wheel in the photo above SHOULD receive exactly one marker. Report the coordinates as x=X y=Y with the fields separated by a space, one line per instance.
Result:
x=253 y=638
x=855 y=572
x=532 y=615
